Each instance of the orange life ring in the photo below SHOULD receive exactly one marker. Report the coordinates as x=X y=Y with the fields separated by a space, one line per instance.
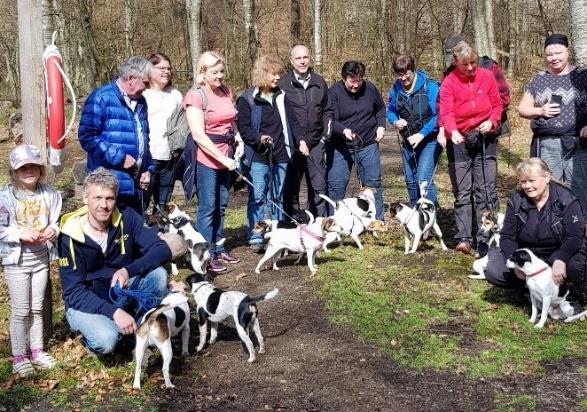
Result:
x=55 y=103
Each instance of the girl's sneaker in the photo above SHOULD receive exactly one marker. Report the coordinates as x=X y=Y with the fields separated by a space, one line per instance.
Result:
x=23 y=368
x=43 y=360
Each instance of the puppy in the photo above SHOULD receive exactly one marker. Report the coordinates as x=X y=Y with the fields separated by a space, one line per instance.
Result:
x=158 y=326
x=307 y=238
x=180 y=222
x=544 y=293
x=215 y=305
x=418 y=222
x=353 y=215
x=491 y=224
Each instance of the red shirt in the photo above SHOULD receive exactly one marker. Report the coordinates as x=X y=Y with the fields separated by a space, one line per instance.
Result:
x=467 y=102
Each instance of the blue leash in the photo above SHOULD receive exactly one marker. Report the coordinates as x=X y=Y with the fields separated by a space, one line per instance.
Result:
x=146 y=300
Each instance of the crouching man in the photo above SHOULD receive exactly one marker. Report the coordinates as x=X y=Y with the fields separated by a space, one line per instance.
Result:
x=100 y=246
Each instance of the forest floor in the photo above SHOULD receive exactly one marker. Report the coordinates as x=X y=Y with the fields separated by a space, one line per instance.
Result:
x=331 y=342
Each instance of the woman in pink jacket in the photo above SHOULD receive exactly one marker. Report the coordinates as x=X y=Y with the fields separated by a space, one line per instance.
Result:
x=470 y=112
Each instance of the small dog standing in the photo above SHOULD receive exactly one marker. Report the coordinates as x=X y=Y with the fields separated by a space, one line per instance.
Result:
x=491 y=224
x=544 y=293
x=215 y=305
x=158 y=326
x=180 y=222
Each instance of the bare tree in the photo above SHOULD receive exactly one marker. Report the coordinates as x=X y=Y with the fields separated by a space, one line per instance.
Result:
x=482 y=20
x=578 y=10
x=295 y=27
x=318 y=35
x=250 y=30
x=129 y=10
x=194 y=17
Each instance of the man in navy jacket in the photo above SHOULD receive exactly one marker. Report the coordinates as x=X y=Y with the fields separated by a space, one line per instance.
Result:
x=358 y=126
x=114 y=130
x=100 y=246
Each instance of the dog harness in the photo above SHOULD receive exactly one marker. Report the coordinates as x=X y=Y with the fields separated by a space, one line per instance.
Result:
x=539 y=271
x=303 y=229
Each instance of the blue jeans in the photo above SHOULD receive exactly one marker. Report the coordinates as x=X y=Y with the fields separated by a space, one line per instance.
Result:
x=419 y=166
x=256 y=209
x=99 y=332
x=213 y=186
x=340 y=164
x=162 y=181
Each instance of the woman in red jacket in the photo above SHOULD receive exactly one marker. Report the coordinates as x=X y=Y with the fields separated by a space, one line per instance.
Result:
x=470 y=111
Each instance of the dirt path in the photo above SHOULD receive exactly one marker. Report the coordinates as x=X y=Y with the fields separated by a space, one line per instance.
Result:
x=314 y=365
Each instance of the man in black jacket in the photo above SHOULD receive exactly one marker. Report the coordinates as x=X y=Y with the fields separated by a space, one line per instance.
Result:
x=308 y=94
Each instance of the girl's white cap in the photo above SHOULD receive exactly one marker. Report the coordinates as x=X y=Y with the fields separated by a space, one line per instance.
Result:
x=25 y=154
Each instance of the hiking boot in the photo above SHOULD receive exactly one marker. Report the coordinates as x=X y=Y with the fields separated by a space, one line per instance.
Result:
x=226 y=258
x=216 y=266
x=257 y=247
x=43 y=360
x=464 y=247
x=23 y=368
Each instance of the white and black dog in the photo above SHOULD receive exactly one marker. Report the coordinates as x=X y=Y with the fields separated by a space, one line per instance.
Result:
x=215 y=305
x=180 y=222
x=417 y=222
x=305 y=238
x=544 y=293
x=158 y=326
x=491 y=225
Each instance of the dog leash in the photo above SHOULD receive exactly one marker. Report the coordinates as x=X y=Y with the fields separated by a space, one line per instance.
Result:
x=146 y=300
x=355 y=150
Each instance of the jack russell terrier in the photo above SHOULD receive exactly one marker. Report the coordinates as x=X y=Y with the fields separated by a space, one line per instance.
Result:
x=491 y=225
x=215 y=305
x=305 y=238
x=544 y=293
x=180 y=222
x=158 y=326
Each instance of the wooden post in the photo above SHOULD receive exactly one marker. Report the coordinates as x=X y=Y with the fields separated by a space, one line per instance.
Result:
x=32 y=91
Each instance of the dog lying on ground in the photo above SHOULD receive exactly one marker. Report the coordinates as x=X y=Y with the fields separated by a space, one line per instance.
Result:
x=417 y=222
x=158 y=326
x=180 y=222
x=306 y=238
x=354 y=216
x=544 y=293
x=215 y=305
x=491 y=224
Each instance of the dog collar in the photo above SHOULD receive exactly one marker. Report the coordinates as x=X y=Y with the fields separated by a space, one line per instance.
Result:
x=199 y=287
x=537 y=272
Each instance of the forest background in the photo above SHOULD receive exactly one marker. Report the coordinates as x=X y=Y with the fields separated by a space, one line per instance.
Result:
x=96 y=35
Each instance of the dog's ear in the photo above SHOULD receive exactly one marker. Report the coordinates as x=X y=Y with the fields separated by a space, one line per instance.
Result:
x=190 y=243
x=169 y=207
x=520 y=257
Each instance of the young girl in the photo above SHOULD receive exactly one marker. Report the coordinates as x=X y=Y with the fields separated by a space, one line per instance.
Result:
x=29 y=212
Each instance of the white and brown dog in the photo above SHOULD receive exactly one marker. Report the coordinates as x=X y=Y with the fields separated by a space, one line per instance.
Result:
x=158 y=326
x=215 y=305
x=180 y=222
x=491 y=225
x=305 y=238
x=544 y=292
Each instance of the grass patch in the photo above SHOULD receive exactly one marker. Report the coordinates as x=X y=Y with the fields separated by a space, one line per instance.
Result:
x=516 y=404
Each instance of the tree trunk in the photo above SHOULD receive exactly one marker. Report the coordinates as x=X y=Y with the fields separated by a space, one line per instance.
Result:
x=250 y=30
x=128 y=26
x=194 y=14
x=578 y=9
x=295 y=27
x=383 y=36
x=318 y=35
x=482 y=20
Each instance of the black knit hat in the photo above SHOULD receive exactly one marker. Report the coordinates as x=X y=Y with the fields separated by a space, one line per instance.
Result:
x=556 y=38
x=451 y=41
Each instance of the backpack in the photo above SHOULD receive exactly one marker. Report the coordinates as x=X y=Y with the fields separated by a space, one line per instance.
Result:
x=177 y=124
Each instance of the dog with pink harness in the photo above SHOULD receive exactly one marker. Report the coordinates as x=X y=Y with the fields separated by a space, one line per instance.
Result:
x=306 y=238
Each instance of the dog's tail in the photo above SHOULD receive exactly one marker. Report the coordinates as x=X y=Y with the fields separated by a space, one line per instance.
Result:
x=329 y=200
x=264 y=296
x=169 y=302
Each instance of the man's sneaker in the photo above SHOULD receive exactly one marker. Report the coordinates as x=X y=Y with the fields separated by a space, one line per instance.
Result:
x=257 y=247
x=216 y=266
x=464 y=247
x=23 y=368
x=226 y=258
x=43 y=360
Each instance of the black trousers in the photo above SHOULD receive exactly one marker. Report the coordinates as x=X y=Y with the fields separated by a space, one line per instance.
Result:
x=314 y=169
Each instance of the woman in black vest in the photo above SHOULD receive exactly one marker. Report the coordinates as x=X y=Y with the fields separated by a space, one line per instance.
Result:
x=545 y=217
x=412 y=109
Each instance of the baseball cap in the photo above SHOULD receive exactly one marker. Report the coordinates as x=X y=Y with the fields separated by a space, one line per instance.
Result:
x=25 y=154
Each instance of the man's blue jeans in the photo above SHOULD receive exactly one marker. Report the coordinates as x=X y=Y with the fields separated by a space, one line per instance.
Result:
x=256 y=209
x=340 y=164
x=99 y=332
x=419 y=166
x=213 y=195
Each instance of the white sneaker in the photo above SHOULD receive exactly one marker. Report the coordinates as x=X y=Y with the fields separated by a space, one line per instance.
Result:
x=43 y=360
x=23 y=368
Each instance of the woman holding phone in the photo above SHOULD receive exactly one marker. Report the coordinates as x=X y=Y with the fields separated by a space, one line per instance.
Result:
x=555 y=101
